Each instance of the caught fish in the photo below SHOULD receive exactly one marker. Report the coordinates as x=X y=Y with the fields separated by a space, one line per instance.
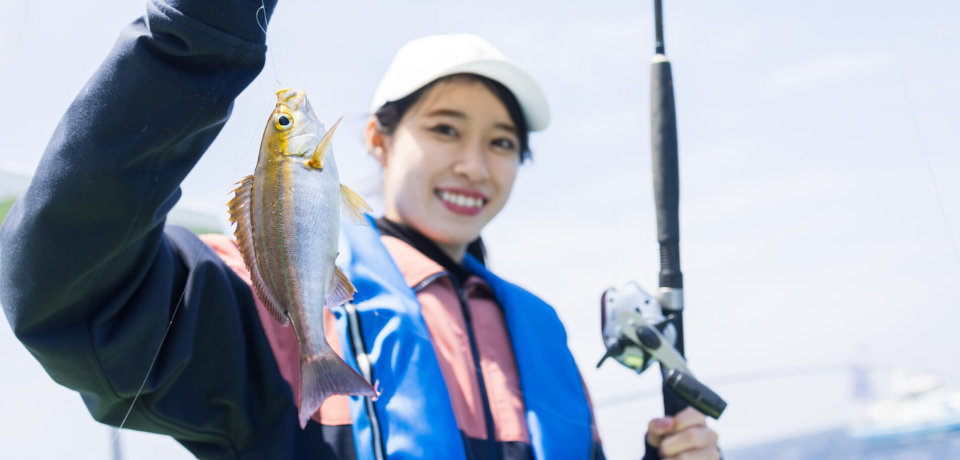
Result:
x=288 y=228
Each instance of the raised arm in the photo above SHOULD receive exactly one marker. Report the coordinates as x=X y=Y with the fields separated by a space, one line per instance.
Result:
x=89 y=277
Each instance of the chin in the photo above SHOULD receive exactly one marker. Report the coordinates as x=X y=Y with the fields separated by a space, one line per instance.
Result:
x=451 y=233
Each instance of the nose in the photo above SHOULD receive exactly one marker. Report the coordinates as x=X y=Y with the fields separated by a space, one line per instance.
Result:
x=472 y=164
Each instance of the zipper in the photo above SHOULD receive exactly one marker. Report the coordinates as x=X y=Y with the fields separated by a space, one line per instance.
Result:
x=426 y=281
x=492 y=451
x=363 y=363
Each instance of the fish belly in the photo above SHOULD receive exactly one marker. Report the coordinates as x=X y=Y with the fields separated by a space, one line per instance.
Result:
x=297 y=227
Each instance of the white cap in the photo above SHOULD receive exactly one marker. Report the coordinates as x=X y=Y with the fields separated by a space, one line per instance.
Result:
x=426 y=59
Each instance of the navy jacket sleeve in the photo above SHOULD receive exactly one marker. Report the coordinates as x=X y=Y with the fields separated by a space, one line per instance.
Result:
x=90 y=276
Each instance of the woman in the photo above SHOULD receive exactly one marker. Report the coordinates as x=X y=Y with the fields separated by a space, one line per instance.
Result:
x=470 y=366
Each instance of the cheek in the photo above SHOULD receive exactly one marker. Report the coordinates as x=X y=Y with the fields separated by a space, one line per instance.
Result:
x=504 y=174
x=408 y=177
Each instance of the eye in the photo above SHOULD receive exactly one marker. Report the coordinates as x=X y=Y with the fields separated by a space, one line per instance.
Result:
x=284 y=122
x=505 y=144
x=445 y=130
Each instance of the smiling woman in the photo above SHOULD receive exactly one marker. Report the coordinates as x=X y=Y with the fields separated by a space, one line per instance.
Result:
x=161 y=331
x=450 y=153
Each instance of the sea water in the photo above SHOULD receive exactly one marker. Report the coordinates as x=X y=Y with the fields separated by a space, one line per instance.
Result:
x=837 y=445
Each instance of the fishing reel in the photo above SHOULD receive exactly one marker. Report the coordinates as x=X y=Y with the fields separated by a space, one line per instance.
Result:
x=637 y=334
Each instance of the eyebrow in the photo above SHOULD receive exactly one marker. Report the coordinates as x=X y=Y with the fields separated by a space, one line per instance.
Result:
x=462 y=116
x=448 y=113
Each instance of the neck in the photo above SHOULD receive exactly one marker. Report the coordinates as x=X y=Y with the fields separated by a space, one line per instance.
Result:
x=456 y=252
x=439 y=254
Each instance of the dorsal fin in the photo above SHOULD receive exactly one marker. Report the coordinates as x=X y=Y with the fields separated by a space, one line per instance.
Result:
x=241 y=207
x=341 y=289
x=353 y=205
x=322 y=148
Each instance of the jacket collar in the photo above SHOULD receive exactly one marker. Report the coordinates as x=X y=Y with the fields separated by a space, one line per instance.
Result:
x=413 y=265
x=417 y=268
x=424 y=245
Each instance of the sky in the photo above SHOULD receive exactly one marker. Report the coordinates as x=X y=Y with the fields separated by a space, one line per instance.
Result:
x=818 y=166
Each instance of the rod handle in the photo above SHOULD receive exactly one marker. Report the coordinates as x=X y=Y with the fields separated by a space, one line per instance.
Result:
x=695 y=393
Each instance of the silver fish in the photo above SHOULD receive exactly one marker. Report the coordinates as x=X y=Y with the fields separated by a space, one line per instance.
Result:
x=288 y=225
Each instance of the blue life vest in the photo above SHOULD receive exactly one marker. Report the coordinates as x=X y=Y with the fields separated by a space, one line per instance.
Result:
x=413 y=416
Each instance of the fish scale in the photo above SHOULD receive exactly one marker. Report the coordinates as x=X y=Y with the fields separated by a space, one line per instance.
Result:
x=288 y=227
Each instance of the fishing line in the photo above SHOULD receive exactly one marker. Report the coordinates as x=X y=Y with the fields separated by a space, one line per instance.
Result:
x=263 y=27
x=179 y=302
x=916 y=127
x=157 y=354
x=195 y=263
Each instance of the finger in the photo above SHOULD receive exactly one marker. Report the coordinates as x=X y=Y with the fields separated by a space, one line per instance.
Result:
x=692 y=439
x=657 y=428
x=689 y=417
x=709 y=453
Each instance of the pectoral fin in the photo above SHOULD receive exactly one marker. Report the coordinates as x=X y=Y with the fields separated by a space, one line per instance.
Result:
x=322 y=148
x=341 y=289
x=240 y=213
x=354 y=205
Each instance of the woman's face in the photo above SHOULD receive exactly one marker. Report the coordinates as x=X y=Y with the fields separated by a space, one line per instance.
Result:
x=450 y=164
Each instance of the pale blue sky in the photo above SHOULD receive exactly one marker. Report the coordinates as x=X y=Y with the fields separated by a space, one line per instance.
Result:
x=811 y=233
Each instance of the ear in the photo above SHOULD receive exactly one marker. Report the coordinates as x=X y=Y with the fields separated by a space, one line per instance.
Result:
x=376 y=142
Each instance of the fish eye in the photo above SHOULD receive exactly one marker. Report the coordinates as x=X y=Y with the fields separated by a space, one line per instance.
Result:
x=284 y=122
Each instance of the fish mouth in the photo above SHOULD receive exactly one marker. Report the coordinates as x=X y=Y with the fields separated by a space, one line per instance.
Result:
x=291 y=98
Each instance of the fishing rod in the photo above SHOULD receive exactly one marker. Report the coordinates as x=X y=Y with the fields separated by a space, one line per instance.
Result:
x=638 y=328
x=666 y=189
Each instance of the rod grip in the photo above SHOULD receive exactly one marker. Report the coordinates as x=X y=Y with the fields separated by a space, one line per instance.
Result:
x=666 y=176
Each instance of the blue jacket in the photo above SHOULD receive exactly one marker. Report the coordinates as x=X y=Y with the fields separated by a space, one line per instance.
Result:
x=413 y=414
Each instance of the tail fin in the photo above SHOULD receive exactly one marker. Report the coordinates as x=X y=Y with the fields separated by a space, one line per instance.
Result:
x=327 y=375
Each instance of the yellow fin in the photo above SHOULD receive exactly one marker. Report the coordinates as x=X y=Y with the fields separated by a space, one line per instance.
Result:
x=240 y=214
x=341 y=289
x=354 y=206
x=322 y=148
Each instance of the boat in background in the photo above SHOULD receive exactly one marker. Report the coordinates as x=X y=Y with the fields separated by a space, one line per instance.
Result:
x=920 y=407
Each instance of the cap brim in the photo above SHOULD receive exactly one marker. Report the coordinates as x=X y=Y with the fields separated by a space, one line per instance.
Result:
x=532 y=101
x=519 y=82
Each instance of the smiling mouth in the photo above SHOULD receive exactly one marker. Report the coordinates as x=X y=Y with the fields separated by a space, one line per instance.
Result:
x=461 y=203
x=461 y=200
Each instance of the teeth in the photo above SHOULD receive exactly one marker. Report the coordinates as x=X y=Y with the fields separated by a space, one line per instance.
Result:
x=461 y=200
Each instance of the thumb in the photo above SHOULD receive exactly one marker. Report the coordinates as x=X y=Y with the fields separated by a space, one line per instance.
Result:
x=657 y=429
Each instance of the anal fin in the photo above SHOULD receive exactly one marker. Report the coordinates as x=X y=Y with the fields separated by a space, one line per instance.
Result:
x=241 y=210
x=341 y=289
x=354 y=206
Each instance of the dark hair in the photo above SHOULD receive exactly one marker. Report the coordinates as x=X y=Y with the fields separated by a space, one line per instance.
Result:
x=390 y=114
